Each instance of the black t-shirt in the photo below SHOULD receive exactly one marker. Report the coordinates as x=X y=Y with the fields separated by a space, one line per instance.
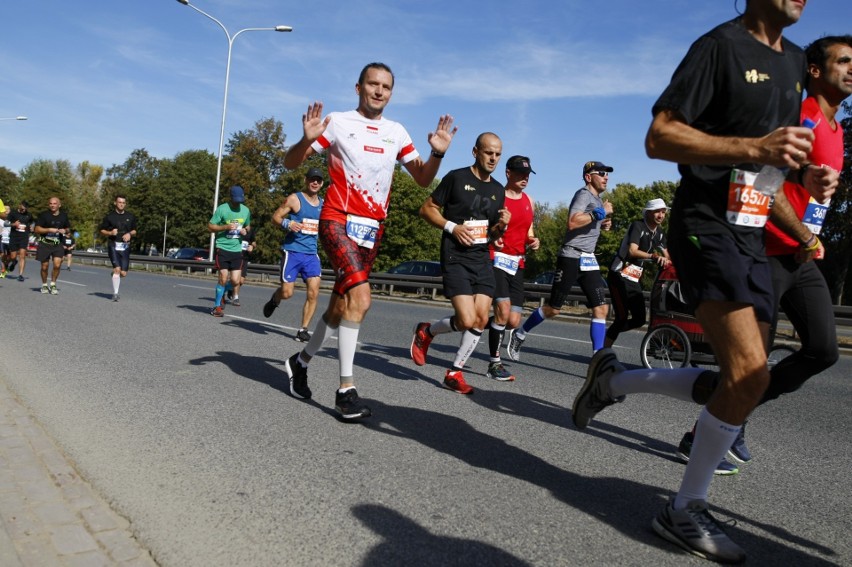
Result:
x=638 y=233
x=464 y=197
x=49 y=220
x=124 y=222
x=730 y=84
x=26 y=219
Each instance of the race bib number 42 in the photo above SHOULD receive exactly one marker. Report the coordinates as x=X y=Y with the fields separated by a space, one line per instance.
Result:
x=746 y=205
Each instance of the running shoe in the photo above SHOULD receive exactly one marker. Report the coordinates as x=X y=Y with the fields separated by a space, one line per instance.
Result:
x=724 y=468
x=21 y=278
x=235 y=301
x=698 y=532
x=3 y=274
x=269 y=307
x=44 y=288
x=496 y=371
x=420 y=343
x=515 y=344
x=298 y=377
x=594 y=395
x=53 y=290
x=302 y=336
x=115 y=297
x=349 y=405
x=454 y=380
x=218 y=311
x=739 y=450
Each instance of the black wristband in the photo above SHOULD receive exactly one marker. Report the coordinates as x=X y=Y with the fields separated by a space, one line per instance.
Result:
x=437 y=155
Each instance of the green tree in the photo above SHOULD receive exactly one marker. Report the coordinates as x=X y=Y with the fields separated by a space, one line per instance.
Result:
x=407 y=236
x=255 y=161
x=42 y=179
x=85 y=202
x=10 y=186
x=184 y=194
x=836 y=234
x=138 y=180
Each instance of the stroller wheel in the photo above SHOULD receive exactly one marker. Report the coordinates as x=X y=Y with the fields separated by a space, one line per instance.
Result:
x=665 y=346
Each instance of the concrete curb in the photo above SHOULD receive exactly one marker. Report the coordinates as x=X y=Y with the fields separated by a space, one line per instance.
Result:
x=49 y=515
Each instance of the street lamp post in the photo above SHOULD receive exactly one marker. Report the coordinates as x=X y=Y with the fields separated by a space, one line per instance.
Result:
x=14 y=118
x=231 y=39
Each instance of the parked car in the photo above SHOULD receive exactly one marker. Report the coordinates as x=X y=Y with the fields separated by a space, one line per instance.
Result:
x=199 y=254
x=415 y=268
x=545 y=278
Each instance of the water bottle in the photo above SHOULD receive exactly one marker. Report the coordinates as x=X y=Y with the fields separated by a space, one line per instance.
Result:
x=770 y=178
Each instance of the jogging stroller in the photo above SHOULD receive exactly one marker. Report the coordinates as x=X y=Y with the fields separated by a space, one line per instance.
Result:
x=675 y=338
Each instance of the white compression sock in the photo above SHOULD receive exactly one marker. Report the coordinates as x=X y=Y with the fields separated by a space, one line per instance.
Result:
x=713 y=438
x=672 y=382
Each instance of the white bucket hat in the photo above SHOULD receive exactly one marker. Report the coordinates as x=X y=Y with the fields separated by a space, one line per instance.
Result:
x=655 y=205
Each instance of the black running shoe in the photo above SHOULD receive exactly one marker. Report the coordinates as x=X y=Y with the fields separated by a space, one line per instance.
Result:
x=303 y=336
x=349 y=406
x=298 y=376
x=269 y=307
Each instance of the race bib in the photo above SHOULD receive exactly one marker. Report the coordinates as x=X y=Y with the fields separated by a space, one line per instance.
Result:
x=632 y=272
x=480 y=230
x=507 y=263
x=235 y=232
x=814 y=215
x=588 y=262
x=310 y=226
x=746 y=205
x=120 y=246
x=362 y=231
x=244 y=245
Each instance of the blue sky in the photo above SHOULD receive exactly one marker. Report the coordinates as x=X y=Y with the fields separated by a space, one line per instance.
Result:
x=561 y=81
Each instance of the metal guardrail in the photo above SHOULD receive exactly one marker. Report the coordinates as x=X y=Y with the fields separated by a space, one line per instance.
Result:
x=381 y=282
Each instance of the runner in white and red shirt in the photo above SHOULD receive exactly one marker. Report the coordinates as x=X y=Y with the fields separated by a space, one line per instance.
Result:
x=363 y=148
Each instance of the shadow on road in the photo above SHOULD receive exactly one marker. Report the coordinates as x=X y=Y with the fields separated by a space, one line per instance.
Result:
x=407 y=543
x=625 y=505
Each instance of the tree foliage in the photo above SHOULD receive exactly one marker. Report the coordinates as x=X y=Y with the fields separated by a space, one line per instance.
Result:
x=836 y=234
x=407 y=236
x=9 y=186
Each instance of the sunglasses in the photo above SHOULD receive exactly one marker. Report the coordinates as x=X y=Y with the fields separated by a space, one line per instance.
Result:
x=601 y=173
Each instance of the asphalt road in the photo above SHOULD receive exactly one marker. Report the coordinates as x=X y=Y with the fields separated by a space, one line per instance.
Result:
x=179 y=420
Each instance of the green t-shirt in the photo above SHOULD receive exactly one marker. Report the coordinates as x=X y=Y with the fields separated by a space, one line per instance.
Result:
x=231 y=240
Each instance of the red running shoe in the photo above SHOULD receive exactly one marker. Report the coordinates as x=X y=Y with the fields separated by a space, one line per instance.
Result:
x=420 y=343
x=454 y=380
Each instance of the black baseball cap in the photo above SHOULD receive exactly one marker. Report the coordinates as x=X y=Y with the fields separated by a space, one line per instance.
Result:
x=313 y=172
x=596 y=166
x=519 y=163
